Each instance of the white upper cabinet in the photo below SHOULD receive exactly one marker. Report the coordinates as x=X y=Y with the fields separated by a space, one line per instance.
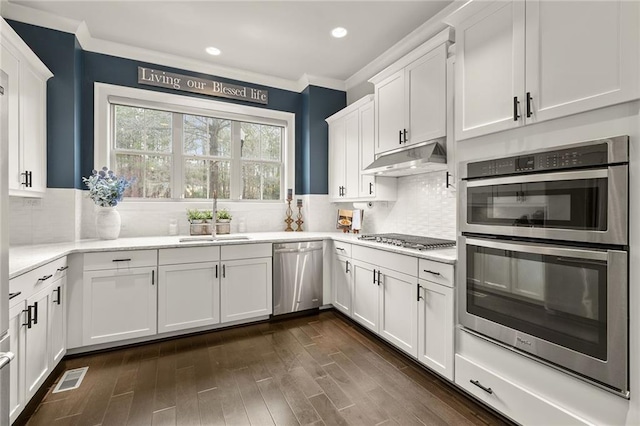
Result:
x=410 y=97
x=522 y=62
x=27 y=111
x=351 y=149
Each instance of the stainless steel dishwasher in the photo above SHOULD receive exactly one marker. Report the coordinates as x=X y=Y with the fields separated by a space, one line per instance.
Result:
x=297 y=276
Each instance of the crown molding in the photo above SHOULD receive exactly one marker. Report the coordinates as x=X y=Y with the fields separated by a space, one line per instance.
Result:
x=17 y=12
x=314 y=80
x=413 y=40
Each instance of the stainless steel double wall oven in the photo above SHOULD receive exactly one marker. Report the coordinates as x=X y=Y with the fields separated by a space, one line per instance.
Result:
x=544 y=256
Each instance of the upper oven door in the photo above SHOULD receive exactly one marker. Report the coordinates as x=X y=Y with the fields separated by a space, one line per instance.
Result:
x=582 y=205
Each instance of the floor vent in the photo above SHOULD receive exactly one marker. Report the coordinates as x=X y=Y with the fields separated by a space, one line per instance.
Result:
x=71 y=379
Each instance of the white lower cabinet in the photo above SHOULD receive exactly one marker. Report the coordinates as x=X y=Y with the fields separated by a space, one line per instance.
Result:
x=342 y=267
x=436 y=327
x=398 y=316
x=246 y=289
x=118 y=304
x=58 y=319
x=366 y=295
x=17 y=338
x=37 y=339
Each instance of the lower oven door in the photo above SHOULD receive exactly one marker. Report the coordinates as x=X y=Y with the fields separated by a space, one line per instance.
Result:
x=565 y=305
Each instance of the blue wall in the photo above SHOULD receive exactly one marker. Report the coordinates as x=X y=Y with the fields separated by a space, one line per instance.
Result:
x=70 y=108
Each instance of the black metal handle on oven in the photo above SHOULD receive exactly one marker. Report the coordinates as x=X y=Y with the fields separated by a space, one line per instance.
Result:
x=46 y=277
x=529 y=100
x=346 y=267
x=379 y=273
x=432 y=272
x=418 y=296
x=477 y=383
x=516 y=116
x=121 y=260
x=28 y=311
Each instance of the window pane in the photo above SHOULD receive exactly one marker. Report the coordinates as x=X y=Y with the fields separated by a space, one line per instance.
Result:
x=152 y=173
x=271 y=143
x=200 y=177
x=142 y=129
x=250 y=134
x=207 y=136
x=260 y=181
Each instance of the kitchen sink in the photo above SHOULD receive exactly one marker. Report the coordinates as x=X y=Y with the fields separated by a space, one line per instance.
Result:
x=213 y=239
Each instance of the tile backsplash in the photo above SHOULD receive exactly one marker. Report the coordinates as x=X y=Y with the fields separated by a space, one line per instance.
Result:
x=424 y=207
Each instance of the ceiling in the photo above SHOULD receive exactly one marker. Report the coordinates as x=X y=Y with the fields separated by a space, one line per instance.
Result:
x=285 y=39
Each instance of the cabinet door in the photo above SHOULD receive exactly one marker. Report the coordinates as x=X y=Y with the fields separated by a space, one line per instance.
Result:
x=390 y=112
x=57 y=320
x=37 y=342
x=118 y=305
x=33 y=128
x=11 y=65
x=580 y=55
x=398 y=310
x=426 y=81
x=337 y=141
x=366 y=295
x=436 y=328
x=367 y=149
x=352 y=152
x=489 y=70
x=17 y=337
x=246 y=289
x=342 y=284
x=188 y=296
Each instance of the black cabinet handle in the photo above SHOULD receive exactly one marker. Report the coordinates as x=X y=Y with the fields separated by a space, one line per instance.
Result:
x=346 y=267
x=477 y=383
x=529 y=100
x=405 y=135
x=448 y=184
x=30 y=179
x=399 y=137
x=370 y=188
x=418 y=296
x=216 y=271
x=26 y=179
x=432 y=272
x=35 y=312
x=121 y=260
x=379 y=273
x=59 y=298
x=28 y=311
x=46 y=277
x=64 y=268
x=153 y=277
x=224 y=271
x=374 y=276
x=516 y=116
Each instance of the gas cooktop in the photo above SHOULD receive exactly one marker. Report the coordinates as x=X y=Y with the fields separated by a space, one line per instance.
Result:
x=409 y=241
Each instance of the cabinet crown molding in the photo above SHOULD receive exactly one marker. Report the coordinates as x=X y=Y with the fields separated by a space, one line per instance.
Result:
x=350 y=108
x=10 y=37
x=444 y=36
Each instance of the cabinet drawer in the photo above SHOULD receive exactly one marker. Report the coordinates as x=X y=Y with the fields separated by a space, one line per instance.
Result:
x=120 y=259
x=33 y=281
x=175 y=256
x=509 y=398
x=342 y=249
x=245 y=251
x=441 y=273
x=385 y=259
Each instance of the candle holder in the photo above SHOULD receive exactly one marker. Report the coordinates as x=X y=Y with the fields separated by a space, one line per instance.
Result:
x=299 y=222
x=289 y=220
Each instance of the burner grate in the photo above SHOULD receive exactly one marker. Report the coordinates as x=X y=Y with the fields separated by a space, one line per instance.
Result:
x=409 y=241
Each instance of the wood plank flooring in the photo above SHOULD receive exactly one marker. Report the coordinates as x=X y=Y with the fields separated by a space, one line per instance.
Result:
x=316 y=370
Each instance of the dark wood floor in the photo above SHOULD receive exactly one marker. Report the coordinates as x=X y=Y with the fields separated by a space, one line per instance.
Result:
x=316 y=370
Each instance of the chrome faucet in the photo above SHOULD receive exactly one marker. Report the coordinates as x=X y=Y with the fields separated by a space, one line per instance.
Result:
x=214 y=213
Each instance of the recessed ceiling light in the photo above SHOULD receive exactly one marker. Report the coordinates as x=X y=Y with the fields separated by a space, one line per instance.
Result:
x=339 y=32
x=213 y=51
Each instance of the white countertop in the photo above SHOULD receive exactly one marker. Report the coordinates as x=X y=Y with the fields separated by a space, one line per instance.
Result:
x=23 y=259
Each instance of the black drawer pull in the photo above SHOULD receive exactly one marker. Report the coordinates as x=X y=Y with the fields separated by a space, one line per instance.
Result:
x=46 y=277
x=64 y=268
x=28 y=311
x=432 y=272
x=35 y=312
x=121 y=260
x=477 y=383
x=516 y=116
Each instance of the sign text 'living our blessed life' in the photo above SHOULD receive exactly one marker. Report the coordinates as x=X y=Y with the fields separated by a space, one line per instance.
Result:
x=187 y=83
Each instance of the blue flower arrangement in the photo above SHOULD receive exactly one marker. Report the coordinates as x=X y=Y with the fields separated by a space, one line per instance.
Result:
x=105 y=188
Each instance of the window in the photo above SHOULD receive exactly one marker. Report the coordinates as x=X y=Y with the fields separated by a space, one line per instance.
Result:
x=180 y=150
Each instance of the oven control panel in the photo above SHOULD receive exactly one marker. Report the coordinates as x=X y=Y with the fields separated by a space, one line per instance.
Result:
x=579 y=156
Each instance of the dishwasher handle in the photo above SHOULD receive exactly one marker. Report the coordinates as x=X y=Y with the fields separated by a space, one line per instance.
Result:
x=302 y=250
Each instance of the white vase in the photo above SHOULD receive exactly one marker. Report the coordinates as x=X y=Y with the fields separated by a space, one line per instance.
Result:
x=107 y=223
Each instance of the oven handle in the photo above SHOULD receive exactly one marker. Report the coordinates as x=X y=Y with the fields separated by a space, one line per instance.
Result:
x=541 y=177
x=545 y=249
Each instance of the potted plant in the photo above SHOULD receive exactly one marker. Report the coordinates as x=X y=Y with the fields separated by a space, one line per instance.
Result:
x=198 y=221
x=223 y=219
x=106 y=190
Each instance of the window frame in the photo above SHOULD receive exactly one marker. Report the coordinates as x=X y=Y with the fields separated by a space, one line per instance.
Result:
x=107 y=95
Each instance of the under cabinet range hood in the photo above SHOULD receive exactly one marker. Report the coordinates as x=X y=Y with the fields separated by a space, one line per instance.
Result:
x=425 y=157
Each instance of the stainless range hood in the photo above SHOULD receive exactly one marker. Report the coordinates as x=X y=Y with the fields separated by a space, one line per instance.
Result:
x=425 y=157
